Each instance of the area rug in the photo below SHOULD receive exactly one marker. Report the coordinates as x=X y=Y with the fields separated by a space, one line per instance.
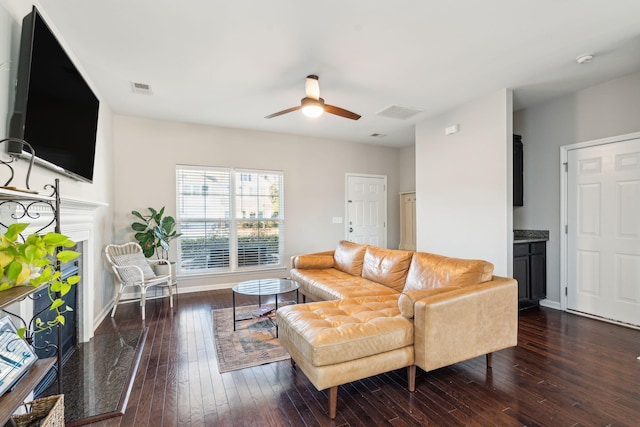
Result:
x=253 y=343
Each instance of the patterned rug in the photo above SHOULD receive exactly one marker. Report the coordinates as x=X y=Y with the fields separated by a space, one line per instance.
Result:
x=253 y=343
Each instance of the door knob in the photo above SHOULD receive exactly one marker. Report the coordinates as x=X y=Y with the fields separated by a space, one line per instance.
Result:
x=350 y=229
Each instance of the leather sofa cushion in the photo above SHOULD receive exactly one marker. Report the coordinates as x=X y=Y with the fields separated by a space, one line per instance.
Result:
x=434 y=271
x=386 y=266
x=329 y=284
x=330 y=332
x=348 y=257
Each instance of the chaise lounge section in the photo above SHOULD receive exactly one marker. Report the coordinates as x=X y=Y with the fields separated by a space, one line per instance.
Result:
x=375 y=310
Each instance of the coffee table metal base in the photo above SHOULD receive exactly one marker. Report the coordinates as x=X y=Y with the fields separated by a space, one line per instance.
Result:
x=260 y=288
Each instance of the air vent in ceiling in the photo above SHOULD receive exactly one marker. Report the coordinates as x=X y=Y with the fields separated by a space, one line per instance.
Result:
x=141 y=88
x=399 y=112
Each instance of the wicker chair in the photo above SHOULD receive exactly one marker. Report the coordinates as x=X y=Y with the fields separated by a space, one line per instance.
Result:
x=131 y=268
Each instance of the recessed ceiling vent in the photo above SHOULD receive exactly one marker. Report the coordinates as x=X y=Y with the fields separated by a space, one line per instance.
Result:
x=399 y=112
x=142 y=88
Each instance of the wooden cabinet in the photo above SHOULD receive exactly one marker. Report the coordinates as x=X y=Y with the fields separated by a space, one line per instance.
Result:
x=518 y=171
x=530 y=270
x=408 y=221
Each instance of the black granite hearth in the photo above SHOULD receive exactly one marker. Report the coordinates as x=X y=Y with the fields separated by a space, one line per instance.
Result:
x=97 y=378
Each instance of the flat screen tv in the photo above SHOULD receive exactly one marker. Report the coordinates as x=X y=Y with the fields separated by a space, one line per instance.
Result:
x=55 y=109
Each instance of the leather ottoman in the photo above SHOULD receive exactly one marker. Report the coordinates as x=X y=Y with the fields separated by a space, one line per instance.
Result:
x=340 y=341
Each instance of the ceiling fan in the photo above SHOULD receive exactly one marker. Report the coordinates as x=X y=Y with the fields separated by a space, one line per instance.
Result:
x=313 y=106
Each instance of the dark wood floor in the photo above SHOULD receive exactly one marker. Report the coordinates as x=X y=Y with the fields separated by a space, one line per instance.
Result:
x=566 y=370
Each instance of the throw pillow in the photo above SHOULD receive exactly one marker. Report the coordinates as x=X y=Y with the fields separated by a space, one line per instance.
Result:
x=132 y=274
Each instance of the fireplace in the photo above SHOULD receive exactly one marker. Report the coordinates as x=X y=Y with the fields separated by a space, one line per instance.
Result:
x=78 y=223
x=46 y=343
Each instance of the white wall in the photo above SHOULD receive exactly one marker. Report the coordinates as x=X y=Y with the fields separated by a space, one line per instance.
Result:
x=146 y=152
x=101 y=191
x=604 y=110
x=463 y=182
x=407 y=165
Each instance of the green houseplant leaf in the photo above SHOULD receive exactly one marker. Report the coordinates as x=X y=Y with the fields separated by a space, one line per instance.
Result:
x=31 y=262
x=154 y=232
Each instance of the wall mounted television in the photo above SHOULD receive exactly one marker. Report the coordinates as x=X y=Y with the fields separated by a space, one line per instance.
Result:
x=55 y=109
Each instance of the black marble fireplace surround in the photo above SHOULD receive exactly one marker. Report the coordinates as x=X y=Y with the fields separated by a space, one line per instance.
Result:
x=46 y=343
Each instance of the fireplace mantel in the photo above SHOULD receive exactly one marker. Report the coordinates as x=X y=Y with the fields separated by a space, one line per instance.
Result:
x=75 y=204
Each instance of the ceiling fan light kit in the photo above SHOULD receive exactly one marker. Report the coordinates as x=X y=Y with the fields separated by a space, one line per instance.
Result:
x=313 y=106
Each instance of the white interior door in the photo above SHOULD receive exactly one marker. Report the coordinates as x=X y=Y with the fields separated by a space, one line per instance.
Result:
x=367 y=209
x=603 y=239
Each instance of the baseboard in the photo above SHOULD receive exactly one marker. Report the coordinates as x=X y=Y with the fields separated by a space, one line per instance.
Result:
x=550 y=304
x=199 y=288
x=134 y=295
x=104 y=312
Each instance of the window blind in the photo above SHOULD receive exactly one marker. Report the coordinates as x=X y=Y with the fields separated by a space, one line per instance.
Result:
x=230 y=220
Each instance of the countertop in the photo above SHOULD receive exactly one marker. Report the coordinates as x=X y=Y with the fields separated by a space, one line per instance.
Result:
x=530 y=236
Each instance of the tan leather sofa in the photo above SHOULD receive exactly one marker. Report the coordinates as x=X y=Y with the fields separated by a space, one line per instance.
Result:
x=377 y=310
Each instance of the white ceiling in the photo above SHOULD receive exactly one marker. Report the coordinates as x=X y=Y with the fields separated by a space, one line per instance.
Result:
x=230 y=63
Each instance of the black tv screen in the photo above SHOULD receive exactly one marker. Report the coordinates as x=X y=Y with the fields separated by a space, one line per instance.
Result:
x=55 y=109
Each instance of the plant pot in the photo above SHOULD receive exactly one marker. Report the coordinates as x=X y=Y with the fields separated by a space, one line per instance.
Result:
x=162 y=269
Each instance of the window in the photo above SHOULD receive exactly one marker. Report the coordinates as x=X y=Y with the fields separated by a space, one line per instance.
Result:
x=230 y=219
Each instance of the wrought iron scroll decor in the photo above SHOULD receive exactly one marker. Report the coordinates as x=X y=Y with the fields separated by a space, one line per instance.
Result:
x=8 y=164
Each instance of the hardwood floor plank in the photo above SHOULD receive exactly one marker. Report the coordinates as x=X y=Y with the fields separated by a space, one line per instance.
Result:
x=566 y=370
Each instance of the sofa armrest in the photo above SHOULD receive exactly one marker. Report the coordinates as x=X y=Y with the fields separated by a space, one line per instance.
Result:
x=319 y=260
x=467 y=322
x=408 y=299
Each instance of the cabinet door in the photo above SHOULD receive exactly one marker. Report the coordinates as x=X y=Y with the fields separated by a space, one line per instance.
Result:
x=521 y=274
x=538 y=270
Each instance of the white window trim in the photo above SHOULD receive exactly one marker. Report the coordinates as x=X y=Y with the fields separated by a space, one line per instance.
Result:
x=233 y=268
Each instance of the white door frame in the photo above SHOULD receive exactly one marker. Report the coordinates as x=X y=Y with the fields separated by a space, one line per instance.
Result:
x=346 y=202
x=564 y=200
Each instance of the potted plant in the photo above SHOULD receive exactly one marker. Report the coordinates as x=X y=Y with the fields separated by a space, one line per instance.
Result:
x=154 y=232
x=32 y=262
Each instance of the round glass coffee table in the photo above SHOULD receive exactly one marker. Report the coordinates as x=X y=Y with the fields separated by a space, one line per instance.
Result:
x=260 y=288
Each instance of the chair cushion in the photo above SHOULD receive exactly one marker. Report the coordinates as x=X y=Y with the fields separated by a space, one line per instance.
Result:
x=349 y=257
x=132 y=274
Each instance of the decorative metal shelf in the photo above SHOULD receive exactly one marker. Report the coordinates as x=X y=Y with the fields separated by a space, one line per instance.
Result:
x=17 y=294
x=12 y=193
x=42 y=211
x=11 y=401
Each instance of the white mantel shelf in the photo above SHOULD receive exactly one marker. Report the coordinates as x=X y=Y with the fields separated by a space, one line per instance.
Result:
x=66 y=202
x=75 y=203
x=6 y=193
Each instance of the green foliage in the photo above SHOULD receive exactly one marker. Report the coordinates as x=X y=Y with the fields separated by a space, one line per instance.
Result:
x=154 y=232
x=32 y=263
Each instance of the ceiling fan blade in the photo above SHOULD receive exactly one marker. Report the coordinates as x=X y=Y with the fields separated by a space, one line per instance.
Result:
x=341 y=112
x=312 y=87
x=279 y=113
